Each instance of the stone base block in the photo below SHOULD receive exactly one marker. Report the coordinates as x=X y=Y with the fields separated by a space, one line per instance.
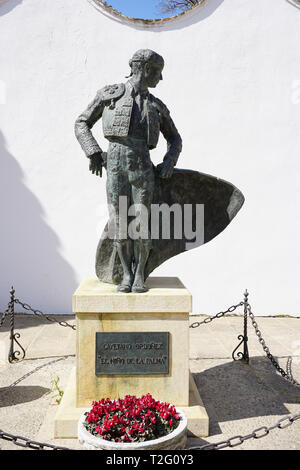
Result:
x=67 y=416
x=99 y=308
x=198 y=420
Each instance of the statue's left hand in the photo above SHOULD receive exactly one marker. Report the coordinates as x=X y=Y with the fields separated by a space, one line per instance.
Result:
x=165 y=169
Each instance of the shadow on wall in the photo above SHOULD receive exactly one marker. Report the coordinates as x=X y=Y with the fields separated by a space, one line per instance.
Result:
x=29 y=248
x=194 y=16
x=7 y=5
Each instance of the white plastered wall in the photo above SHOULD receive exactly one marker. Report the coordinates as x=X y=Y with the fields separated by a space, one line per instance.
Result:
x=231 y=82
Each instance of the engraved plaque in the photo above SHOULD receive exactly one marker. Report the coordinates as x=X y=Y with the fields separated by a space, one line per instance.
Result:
x=132 y=353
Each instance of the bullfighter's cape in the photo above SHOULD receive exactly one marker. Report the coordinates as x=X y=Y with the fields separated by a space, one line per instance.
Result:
x=221 y=201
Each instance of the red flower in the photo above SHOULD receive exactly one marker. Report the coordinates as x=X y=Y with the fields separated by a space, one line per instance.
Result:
x=118 y=420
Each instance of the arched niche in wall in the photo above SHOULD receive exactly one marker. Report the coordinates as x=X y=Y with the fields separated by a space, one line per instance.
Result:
x=295 y=3
x=172 y=20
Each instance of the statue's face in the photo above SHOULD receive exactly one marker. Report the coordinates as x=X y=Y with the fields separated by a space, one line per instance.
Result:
x=152 y=74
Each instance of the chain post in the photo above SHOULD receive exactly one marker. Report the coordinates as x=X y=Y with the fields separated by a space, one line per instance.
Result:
x=246 y=351
x=243 y=356
x=286 y=375
x=13 y=355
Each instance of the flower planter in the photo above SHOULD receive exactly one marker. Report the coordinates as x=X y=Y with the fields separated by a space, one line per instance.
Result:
x=175 y=440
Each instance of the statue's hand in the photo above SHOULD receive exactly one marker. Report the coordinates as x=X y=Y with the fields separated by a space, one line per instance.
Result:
x=165 y=169
x=96 y=164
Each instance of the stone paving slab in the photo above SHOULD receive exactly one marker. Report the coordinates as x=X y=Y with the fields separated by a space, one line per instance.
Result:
x=238 y=397
x=39 y=336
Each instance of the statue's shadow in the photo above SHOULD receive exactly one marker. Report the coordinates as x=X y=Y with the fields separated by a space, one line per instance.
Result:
x=30 y=249
x=236 y=391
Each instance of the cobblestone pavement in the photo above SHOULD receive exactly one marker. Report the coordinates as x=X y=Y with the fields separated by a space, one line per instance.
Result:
x=238 y=397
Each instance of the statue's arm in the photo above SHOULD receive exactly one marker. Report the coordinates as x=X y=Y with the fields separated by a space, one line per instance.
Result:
x=172 y=136
x=84 y=124
x=174 y=143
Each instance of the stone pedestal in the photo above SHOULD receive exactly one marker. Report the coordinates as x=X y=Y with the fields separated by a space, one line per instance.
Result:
x=100 y=308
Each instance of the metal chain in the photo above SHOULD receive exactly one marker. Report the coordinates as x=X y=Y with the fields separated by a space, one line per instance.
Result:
x=263 y=430
x=285 y=374
x=234 y=441
x=41 y=314
x=4 y=315
x=24 y=442
x=256 y=434
x=289 y=367
x=218 y=315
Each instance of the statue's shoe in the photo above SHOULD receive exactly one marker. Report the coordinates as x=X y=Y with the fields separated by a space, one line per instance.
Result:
x=139 y=288
x=124 y=288
x=126 y=284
